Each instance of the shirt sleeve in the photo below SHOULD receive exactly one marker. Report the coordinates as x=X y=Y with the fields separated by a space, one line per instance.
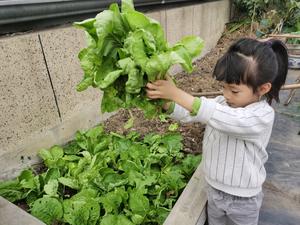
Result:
x=247 y=122
x=183 y=115
x=242 y=122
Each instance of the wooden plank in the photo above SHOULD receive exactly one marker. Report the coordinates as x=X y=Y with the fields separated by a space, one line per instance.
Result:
x=11 y=214
x=214 y=93
x=284 y=35
x=202 y=218
x=190 y=207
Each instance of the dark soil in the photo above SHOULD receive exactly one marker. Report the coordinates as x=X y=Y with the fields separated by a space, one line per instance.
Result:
x=200 y=80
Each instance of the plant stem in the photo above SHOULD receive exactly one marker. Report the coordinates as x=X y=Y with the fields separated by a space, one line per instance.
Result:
x=252 y=19
x=130 y=113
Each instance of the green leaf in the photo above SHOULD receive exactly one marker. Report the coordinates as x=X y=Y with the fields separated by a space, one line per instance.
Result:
x=104 y=26
x=11 y=190
x=137 y=219
x=138 y=203
x=115 y=220
x=82 y=208
x=52 y=157
x=180 y=55
x=109 y=219
x=123 y=220
x=135 y=78
x=173 y=127
x=110 y=78
x=173 y=142
x=129 y=124
x=157 y=32
x=110 y=100
x=88 y=25
x=137 y=20
x=134 y=44
x=69 y=182
x=111 y=202
x=189 y=164
x=84 y=84
x=192 y=44
x=52 y=174
x=161 y=214
x=173 y=179
x=47 y=210
x=163 y=118
x=127 y=6
x=26 y=179
x=51 y=188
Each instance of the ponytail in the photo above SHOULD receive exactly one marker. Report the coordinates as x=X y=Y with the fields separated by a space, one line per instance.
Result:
x=280 y=51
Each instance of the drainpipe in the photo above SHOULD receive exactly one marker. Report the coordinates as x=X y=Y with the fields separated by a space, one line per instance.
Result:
x=17 y=12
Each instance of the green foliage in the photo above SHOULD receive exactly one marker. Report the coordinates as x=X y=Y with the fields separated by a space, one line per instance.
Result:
x=47 y=210
x=272 y=14
x=82 y=208
x=126 y=49
x=106 y=179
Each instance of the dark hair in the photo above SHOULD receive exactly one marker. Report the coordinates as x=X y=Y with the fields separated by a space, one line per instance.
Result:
x=252 y=62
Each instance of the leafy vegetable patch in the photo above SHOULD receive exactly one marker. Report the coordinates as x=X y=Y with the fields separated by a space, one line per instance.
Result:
x=126 y=49
x=106 y=179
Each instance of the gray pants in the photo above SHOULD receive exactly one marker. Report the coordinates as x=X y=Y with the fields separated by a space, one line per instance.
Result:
x=223 y=208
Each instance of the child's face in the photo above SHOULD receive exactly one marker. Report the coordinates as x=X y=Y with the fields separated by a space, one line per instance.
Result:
x=239 y=95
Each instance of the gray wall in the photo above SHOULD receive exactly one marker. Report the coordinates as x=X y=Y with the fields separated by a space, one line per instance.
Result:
x=39 y=72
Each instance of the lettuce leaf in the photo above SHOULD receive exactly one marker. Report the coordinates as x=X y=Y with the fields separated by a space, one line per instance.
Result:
x=47 y=209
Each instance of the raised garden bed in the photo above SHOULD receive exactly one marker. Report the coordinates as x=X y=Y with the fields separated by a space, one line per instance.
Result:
x=294 y=56
x=292 y=43
x=106 y=178
x=190 y=208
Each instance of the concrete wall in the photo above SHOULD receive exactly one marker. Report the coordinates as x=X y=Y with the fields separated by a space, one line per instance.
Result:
x=39 y=72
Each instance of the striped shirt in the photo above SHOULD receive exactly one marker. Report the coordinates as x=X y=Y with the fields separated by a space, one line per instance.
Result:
x=234 y=143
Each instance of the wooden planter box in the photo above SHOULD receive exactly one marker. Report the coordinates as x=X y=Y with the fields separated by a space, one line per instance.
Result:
x=190 y=208
x=10 y=214
x=293 y=49
x=294 y=56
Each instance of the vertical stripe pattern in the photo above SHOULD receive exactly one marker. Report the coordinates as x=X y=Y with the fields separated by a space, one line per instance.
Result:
x=234 y=144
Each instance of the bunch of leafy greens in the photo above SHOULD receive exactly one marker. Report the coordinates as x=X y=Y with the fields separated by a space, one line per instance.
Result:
x=106 y=179
x=125 y=51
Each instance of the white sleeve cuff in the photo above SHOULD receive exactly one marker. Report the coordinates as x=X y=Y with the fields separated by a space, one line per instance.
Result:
x=206 y=110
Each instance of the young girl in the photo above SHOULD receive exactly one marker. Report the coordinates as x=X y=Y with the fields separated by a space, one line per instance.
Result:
x=238 y=126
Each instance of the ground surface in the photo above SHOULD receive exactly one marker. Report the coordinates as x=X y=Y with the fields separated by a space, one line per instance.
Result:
x=281 y=204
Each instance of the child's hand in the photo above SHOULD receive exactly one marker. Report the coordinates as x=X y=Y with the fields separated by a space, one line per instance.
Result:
x=163 y=89
x=166 y=89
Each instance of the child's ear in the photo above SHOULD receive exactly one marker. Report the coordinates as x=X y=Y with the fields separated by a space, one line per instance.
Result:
x=265 y=88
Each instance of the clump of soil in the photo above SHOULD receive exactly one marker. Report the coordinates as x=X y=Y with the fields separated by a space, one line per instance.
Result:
x=199 y=81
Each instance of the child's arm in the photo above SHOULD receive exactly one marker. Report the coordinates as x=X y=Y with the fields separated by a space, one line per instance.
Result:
x=240 y=122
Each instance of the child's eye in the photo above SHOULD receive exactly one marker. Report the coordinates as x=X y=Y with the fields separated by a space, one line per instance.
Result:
x=234 y=92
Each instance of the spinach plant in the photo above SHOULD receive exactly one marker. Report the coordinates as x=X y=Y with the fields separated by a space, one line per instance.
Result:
x=126 y=49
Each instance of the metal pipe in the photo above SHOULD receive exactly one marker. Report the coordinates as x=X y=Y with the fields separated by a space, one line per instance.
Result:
x=17 y=11
x=214 y=93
